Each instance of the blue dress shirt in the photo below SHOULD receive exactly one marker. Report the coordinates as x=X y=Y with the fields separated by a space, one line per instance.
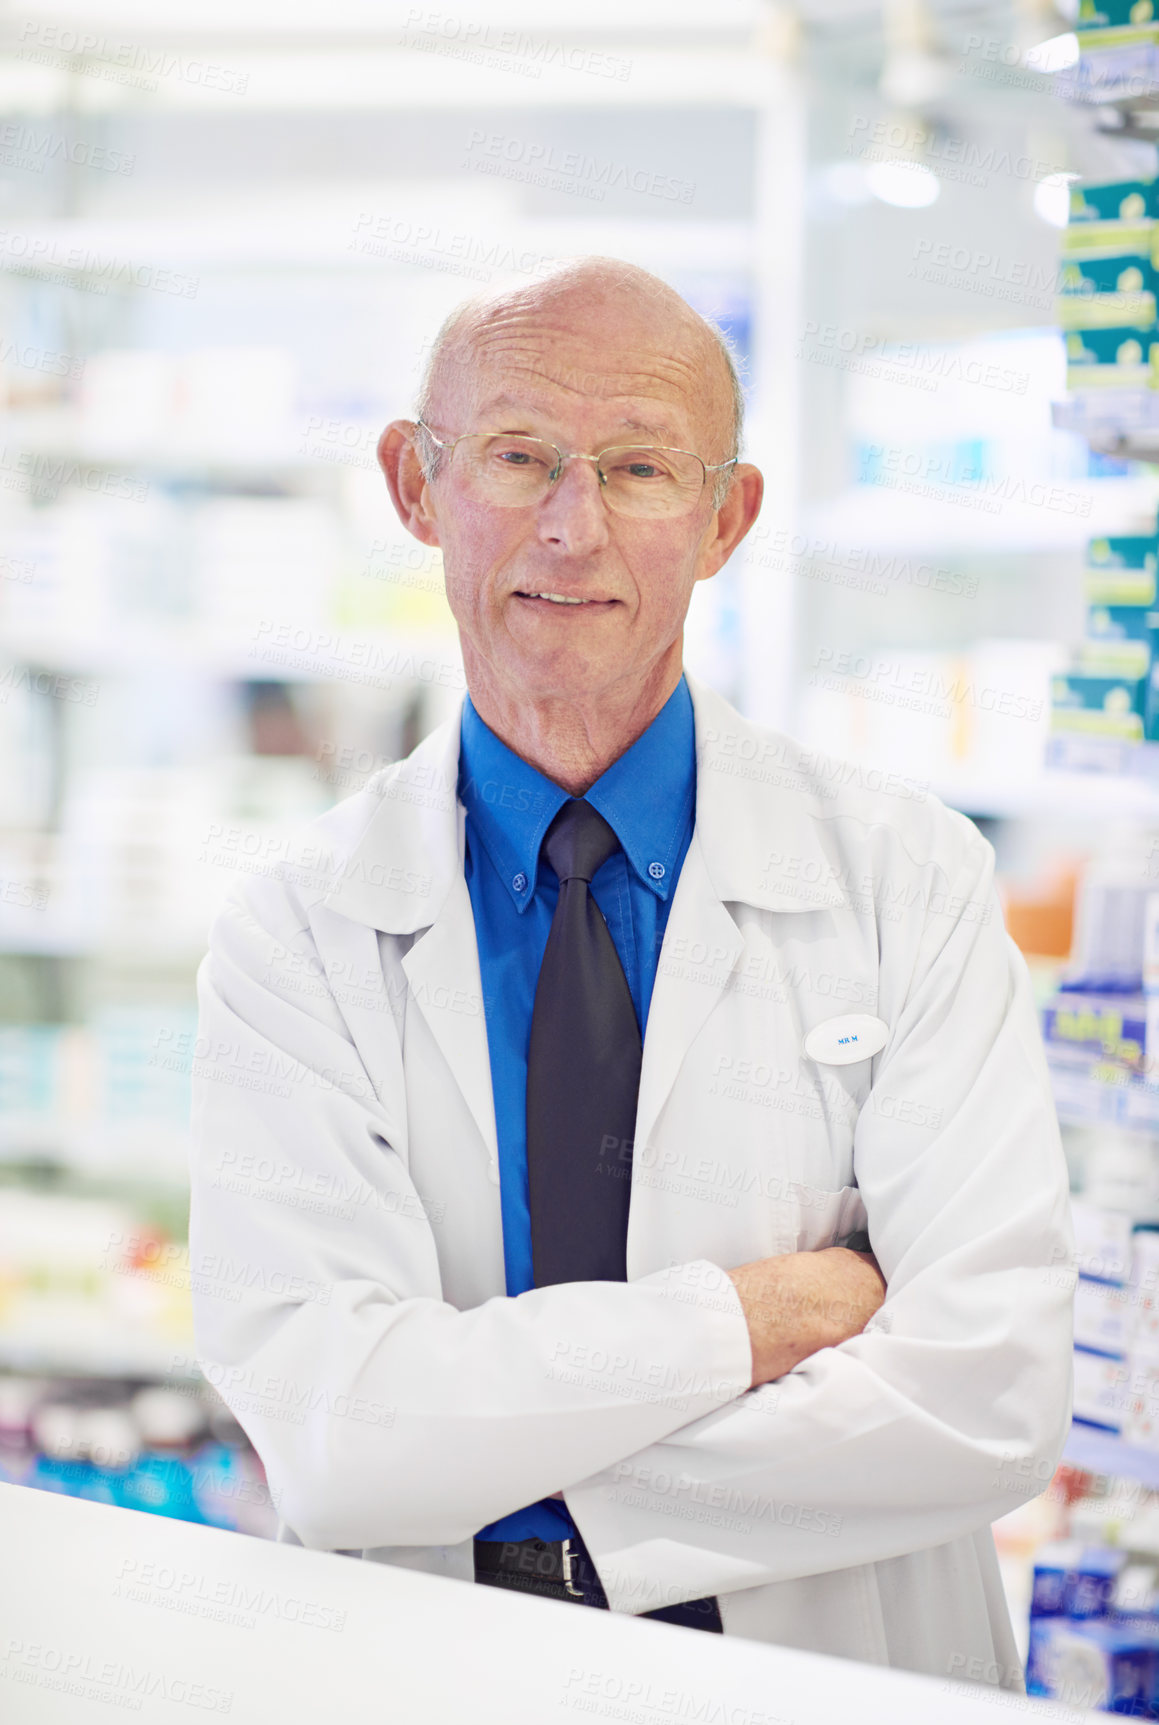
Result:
x=649 y=797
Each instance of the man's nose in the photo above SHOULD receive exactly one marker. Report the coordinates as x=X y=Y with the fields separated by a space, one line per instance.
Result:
x=573 y=515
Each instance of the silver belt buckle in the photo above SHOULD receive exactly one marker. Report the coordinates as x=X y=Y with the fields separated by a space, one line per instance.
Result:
x=568 y=1557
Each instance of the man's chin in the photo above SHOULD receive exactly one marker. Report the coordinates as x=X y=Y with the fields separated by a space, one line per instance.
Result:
x=565 y=675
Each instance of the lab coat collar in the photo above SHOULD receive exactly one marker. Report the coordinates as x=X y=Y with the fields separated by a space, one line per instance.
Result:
x=761 y=825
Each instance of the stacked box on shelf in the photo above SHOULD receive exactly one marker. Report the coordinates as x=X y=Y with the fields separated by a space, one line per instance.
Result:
x=1141 y=1425
x=155 y=1449
x=1108 y=277
x=1110 y=1027
x=1118 y=53
x=1107 y=1021
x=1102 y=1317
x=1112 y=691
x=1094 y=1632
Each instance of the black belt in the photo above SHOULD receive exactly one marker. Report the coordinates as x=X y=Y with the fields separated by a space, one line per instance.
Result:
x=563 y=1569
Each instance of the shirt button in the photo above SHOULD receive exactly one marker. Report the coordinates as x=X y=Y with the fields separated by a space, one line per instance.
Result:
x=657 y=871
x=520 y=882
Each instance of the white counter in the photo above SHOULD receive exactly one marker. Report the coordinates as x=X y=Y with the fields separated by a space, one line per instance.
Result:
x=104 y=1612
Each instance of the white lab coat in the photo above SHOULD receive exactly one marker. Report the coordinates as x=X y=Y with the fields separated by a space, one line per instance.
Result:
x=347 y=1250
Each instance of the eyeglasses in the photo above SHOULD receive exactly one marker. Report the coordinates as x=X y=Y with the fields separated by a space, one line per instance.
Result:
x=513 y=472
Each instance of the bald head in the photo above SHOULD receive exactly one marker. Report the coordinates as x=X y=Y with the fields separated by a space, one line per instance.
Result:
x=597 y=328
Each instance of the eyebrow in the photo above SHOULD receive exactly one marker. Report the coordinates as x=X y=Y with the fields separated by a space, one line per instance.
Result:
x=655 y=432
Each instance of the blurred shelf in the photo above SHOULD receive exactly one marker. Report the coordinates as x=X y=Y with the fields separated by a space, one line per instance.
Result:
x=110 y=1355
x=1123 y=422
x=371 y=659
x=1101 y=792
x=1087 y=760
x=426 y=70
x=60 y=434
x=1124 y=77
x=945 y=518
x=481 y=240
x=147 y=949
x=1105 y=1452
x=150 y=1158
x=1084 y=1098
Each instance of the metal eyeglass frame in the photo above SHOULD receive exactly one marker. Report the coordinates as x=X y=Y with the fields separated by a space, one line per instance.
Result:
x=661 y=449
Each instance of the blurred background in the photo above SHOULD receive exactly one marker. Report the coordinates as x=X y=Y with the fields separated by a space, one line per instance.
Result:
x=228 y=234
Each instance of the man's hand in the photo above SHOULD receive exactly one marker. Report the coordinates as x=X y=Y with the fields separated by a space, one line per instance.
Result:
x=803 y=1301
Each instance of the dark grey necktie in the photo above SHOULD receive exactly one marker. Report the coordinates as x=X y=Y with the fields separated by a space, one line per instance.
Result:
x=583 y=1072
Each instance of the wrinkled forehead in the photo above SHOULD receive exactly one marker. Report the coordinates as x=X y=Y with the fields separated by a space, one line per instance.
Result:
x=632 y=366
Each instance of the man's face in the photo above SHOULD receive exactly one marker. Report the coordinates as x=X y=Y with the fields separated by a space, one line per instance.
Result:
x=583 y=374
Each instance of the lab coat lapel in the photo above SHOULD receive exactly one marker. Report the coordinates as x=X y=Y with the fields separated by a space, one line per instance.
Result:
x=442 y=968
x=757 y=840
x=405 y=877
x=701 y=946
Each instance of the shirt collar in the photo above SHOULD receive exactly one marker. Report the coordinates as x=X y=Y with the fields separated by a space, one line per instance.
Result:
x=647 y=796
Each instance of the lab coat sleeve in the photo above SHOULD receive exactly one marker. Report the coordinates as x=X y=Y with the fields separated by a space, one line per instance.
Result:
x=384 y=1416
x=953 y=1406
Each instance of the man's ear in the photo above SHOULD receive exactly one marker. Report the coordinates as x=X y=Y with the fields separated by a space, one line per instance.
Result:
x=409 y=491
x=733 y=519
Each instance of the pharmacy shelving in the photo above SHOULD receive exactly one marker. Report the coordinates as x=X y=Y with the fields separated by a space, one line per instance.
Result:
x=99 y=1353
x=1080 y=758
x=277 y=649
x=1094 y=1094
x=1124 y=424
x=1113 y=76
x=972 y=517
x=1104 y=1452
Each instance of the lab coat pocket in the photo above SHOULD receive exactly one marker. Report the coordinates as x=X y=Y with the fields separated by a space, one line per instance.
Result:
x=822 y=1218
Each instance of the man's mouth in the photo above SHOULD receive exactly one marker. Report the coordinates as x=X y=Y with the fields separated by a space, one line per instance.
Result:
x=562 y=598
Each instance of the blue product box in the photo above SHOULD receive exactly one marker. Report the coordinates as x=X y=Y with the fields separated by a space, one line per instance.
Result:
x=1054 y=1564
x=1119 y=357
x=1092 y=1581
x=1106 y=1667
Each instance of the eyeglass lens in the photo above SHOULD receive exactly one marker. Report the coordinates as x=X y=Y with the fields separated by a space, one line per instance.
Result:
x=515 y=471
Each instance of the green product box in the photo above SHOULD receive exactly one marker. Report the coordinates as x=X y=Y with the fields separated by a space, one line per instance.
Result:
x=1089 y=705
x=1127 y=32
x=1114 y=14
x=1121 y=570
x=1122 y=357
x=1119 y=641
x=1151 y=718
x=1100 y=289
x=1120 y=622
x=1113 y=201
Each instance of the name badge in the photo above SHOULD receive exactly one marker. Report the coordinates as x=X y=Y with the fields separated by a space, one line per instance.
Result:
x=841 y=1041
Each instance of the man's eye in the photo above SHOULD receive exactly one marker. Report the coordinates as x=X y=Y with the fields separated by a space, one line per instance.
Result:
x=641 y=470
x=517 y=455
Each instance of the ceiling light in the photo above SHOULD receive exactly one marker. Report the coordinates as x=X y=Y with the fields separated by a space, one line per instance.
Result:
x=1058 y=54
x=907 y=185
x=1052 y=199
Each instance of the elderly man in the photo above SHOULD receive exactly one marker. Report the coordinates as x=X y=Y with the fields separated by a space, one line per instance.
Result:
x=615 y=1063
